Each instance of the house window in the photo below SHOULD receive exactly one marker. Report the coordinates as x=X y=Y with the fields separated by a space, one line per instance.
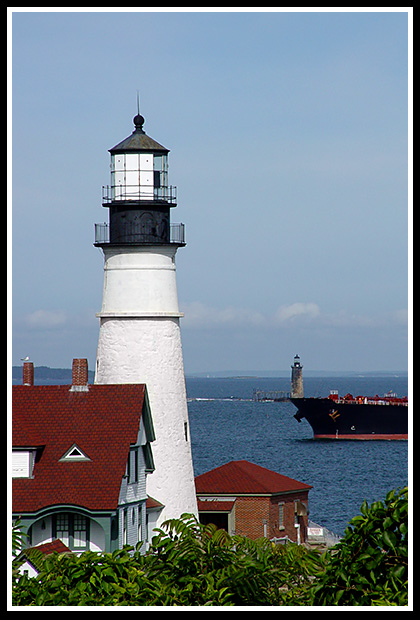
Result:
x=133 y=465
x=72 y=529
x=79 y=531
x=22 y=463
x=281 y=516
x=125 y=527
x=146 y=532
x=63 y=528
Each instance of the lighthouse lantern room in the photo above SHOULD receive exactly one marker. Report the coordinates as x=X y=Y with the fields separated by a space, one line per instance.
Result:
x=139 y=197
x=139 y=333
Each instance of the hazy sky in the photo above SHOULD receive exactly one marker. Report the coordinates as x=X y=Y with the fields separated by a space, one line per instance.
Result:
x=289 y=145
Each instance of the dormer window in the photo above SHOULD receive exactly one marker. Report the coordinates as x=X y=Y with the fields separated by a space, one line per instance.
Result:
x=74 y=454
x=23 y=463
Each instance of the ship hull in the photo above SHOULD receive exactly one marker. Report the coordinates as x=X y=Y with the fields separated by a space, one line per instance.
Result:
x=333 y=420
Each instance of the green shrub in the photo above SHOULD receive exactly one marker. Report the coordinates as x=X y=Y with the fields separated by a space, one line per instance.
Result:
x=370 y=564
x=200 y=565
x=190 y=564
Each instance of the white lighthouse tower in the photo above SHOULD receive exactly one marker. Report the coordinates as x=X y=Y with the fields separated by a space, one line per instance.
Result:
x=139 y=335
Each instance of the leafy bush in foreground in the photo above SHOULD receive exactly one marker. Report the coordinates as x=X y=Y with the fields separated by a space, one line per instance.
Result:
x=369 y=566
x=190 y=564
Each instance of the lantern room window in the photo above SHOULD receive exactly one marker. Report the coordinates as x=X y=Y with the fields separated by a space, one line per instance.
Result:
x=138 y=176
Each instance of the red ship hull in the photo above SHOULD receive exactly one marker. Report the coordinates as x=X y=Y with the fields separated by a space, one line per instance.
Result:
x=364 y=437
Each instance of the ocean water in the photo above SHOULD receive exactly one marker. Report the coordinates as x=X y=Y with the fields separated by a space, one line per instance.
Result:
x=226 y=424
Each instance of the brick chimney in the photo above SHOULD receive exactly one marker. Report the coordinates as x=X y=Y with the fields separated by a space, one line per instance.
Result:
x=28 y=373
x=80 y=375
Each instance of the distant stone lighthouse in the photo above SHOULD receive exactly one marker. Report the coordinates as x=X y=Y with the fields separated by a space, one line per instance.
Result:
x=296 y=387
x=139 y=334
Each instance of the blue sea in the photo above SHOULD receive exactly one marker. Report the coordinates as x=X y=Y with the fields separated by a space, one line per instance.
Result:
x=226 y=424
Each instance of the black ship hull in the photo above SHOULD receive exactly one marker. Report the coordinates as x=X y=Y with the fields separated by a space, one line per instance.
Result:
x=345 y=420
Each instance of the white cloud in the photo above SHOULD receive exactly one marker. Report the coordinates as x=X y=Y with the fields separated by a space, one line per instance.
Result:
x=198 y=315
x=50 y=319
x=343 y=319
x=400 y=317
x=295 y=310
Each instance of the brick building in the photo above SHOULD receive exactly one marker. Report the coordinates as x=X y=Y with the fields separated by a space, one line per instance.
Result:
x=250 y=500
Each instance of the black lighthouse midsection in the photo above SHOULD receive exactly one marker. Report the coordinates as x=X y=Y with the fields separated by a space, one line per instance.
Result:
x=139 y=224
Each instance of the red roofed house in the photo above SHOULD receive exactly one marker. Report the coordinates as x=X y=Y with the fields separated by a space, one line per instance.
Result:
x=30 y=562
x=252 y=501
x=80 y=458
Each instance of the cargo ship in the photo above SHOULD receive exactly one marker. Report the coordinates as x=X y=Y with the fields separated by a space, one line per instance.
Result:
x=359 y=417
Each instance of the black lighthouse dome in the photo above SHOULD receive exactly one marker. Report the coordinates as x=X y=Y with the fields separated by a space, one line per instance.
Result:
x=138 y=121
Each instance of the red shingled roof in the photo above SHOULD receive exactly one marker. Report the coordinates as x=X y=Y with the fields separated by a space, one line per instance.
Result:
x=55 y=546
x=102 y=422
x=242 y=478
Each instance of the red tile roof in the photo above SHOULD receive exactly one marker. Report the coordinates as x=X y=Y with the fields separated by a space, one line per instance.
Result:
x=153 y=503
x=102 y=422
x=29 y=554
x=243 y=478
x=55 y=546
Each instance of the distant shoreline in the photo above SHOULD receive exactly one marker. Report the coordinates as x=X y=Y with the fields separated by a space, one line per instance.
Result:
x=63 y=374
x=46 y=373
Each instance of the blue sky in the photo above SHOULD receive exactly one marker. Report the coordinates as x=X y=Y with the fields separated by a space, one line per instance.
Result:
x=290 y=150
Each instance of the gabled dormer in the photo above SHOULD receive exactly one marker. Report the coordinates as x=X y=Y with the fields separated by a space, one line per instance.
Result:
x=74 y=454
x=23 y=461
